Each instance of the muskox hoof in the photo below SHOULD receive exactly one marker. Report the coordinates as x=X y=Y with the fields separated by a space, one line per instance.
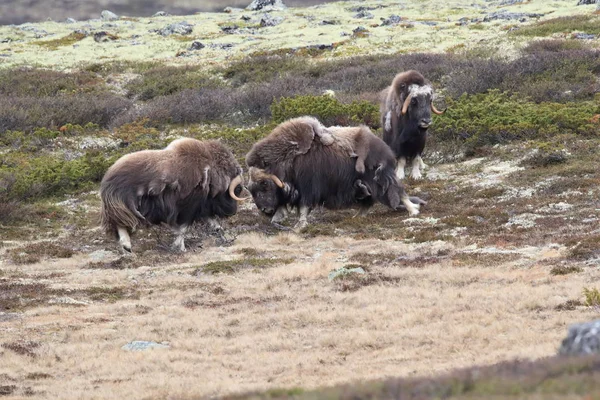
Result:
x=416 y=175
x=400 y=173
x=300 y=225
x=417 y=200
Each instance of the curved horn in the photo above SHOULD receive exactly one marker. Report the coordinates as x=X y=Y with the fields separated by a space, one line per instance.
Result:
x=277 y=181
x=234 y=183
x=435 y=110
x=406 y=103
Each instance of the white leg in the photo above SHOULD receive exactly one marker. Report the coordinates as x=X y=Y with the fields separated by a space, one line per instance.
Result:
x=415 y=173
x=179 y=244
x=303 y=220
x=124 y=239
x=400 y=169
x=280 y=215
x=422 y=165
x=412 y=208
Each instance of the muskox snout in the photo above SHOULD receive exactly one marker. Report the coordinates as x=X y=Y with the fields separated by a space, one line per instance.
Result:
x=425 y=122
x=267 y=210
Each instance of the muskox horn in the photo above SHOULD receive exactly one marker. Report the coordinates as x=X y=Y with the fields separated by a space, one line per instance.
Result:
x=435 y=110
x=406 y=103
x=277 y=181
x=236 y=181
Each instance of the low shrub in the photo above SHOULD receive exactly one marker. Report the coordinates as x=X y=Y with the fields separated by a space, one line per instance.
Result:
x=327 y=109
x=497 y=117
x=575 y=23
x=24 y=82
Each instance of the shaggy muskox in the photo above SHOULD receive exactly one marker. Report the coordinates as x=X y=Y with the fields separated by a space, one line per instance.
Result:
x=291 y=168
x=406 y=108
x=188 y=181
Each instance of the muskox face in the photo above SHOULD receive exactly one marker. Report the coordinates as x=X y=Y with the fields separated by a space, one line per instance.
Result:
x=418 y=105
x=266 y=195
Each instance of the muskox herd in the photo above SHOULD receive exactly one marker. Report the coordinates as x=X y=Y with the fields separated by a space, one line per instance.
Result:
x=299 y=166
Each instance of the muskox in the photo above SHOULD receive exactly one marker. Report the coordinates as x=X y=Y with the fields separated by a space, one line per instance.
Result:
x=188 y=181
x=406 y=108
x=291 y=168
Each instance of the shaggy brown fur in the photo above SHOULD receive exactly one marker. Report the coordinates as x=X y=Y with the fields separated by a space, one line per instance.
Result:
x=186 y=181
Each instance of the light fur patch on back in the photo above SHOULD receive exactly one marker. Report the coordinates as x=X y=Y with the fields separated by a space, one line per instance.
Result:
x=388 y=121
x=417 y=90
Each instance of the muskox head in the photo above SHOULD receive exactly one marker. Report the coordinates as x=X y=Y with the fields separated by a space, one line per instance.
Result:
x=268 y=191
x=418 y=105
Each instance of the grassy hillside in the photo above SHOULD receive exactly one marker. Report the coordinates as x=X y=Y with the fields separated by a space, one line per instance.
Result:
x=500 y=262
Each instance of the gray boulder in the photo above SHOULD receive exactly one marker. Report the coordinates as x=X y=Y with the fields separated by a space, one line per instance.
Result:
x=268 y=20
x=582 y=339
x=141 y=345
x=364 y=14
x=70 y=21
x=508 y=16
x=108 y=15
x=266 y=5
x=178 y=28
x=586 y=2
x=161 y=14
x=392 y=20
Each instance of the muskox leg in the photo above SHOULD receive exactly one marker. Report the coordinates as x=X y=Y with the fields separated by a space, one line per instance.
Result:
x=124 y=239
x=303 y=220
x=415 y=173
x=179 y=244
x=422 y=165
x=280 y=215
x=400 y=169
x=412 y=208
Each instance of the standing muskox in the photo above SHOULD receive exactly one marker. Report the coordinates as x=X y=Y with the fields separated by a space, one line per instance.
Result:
x=187 y=181
x=406 y=108
x=290 y=167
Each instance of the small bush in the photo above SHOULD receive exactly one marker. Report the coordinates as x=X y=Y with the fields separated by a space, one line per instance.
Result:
x=576 y=23
x=553 y=45
x=24 y=82
x=565 y=269
x=592 y=297
x=32 y=253
x=497 y=117
x=163 y=81
x=327 y=109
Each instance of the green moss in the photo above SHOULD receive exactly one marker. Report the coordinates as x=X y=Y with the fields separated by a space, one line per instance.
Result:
x=578 y=23
x=592 y=297
x=229 y=267
x=68 y=40
x=327 y=109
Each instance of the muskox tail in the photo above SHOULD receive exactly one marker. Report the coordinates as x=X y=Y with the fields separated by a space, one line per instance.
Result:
x=119 y=208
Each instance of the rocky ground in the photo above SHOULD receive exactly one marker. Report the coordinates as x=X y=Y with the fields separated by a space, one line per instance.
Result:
x=502 y=259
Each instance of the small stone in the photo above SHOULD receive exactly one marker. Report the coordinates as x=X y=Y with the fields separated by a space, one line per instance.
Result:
x=161 y=14
x=141 y=345
x=329 y=22
x=505 y=15
x=108 y=15
x=584 y=36
x=585 y=2
x=230 y=10
x=103 y=36
x=70 y=21
x=392 y=20
x=582 y=339
x=245 y=18
x=266 y=5
x=364 y=15
x=68 y=301
x=197 y=46
x=268 y=20
x=343 y=271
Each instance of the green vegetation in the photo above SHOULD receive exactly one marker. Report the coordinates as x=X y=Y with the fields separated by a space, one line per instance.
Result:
x=68 y=40
x=497 y=117
x=327 y=109
x=229 y=267
x=592 y=297
x=578 y=23
x=565 y=269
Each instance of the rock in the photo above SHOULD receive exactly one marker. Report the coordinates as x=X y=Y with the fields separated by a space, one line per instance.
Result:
x=197 y=46
x=161 y=14
x=361 y=8
x=361 y=30
x=586 y=36
x=266 y=5
x=103 y=36
x=392 y=20
x=179 y=28
x=505 y=15
x=68 y=301
x=245 y=18
x=103 y=255
x=108 y=15
x=4 y=316
x=343 y=271
x=70 y=21
x=329 y=22
x=582 y=339
x=510 y=2
x=140 y=345
x=364 y=14
x=231 y=10
x=586 y=2
x=268 y=20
